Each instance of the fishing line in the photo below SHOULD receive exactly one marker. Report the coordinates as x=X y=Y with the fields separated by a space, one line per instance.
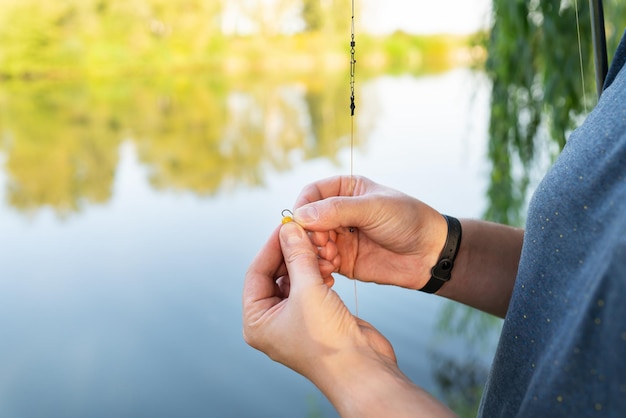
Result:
x=580 y=56
x=287 y=215
x=352 y=108
x=352 y=101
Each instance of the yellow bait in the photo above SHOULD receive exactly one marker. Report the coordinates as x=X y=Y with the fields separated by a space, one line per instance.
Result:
x=287 y=218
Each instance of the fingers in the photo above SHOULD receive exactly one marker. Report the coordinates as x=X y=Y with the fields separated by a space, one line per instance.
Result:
x=320 y=190
x=329 y=281
x=300 y=256
x=261 y=290
x=329 y=251
x=259 y=282
x=319 y=238
x=334 y=212
x=330 y=187
x=335 y=202
x=328 y=267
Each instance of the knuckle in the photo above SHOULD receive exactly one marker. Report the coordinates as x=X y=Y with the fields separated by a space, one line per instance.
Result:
x=300 y=255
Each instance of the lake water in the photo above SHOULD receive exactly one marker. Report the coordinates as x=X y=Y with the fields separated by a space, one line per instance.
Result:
x=123 y=298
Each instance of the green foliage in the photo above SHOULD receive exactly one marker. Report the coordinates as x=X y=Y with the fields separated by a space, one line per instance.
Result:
x=101 y=38
x=98 y=37
x=200 y=134
x=537 y=93
x=312 y=14
x=433 y=52
x=461 y=382
x=204 y=110
x=61 y=146
x=336 y=16
x=477 y=328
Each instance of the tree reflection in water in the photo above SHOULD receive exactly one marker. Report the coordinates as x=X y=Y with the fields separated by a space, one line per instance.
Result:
x=199 y=135
x=461 y=383
x=461 y=379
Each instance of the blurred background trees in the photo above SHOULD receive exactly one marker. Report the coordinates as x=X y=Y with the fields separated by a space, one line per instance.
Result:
x=93 y=38
x=216 y=93
x=533 y=63
x=537 y=90
x=96 y=37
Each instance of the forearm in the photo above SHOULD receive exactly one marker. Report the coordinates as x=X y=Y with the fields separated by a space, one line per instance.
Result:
x=366 y=386
x=486 y=266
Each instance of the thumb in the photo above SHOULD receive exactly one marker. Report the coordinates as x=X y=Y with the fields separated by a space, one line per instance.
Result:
x=331 y=213
x=300 y=256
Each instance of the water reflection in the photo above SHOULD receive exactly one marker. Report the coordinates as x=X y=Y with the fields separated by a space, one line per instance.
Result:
x=461 y=380
x=194 y=134
x=130 y=306
x=60 y=144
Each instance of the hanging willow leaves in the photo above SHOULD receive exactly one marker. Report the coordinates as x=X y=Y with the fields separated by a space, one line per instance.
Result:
x=537 y=94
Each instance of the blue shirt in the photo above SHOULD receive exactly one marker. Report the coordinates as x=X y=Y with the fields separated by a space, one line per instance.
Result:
x=562 y=352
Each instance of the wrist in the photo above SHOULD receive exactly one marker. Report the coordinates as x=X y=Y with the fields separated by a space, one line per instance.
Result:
x=366 y=384
x=359 y=386
x=441 y=272
x=432 y=232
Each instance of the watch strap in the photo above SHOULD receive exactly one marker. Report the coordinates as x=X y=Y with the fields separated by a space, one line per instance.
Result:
x=442 y=271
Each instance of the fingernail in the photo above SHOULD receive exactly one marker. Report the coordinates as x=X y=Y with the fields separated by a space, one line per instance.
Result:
x=291 y=233
x=306 y=214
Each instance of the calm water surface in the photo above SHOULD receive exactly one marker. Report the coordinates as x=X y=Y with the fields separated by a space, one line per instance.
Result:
x=130 y=306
